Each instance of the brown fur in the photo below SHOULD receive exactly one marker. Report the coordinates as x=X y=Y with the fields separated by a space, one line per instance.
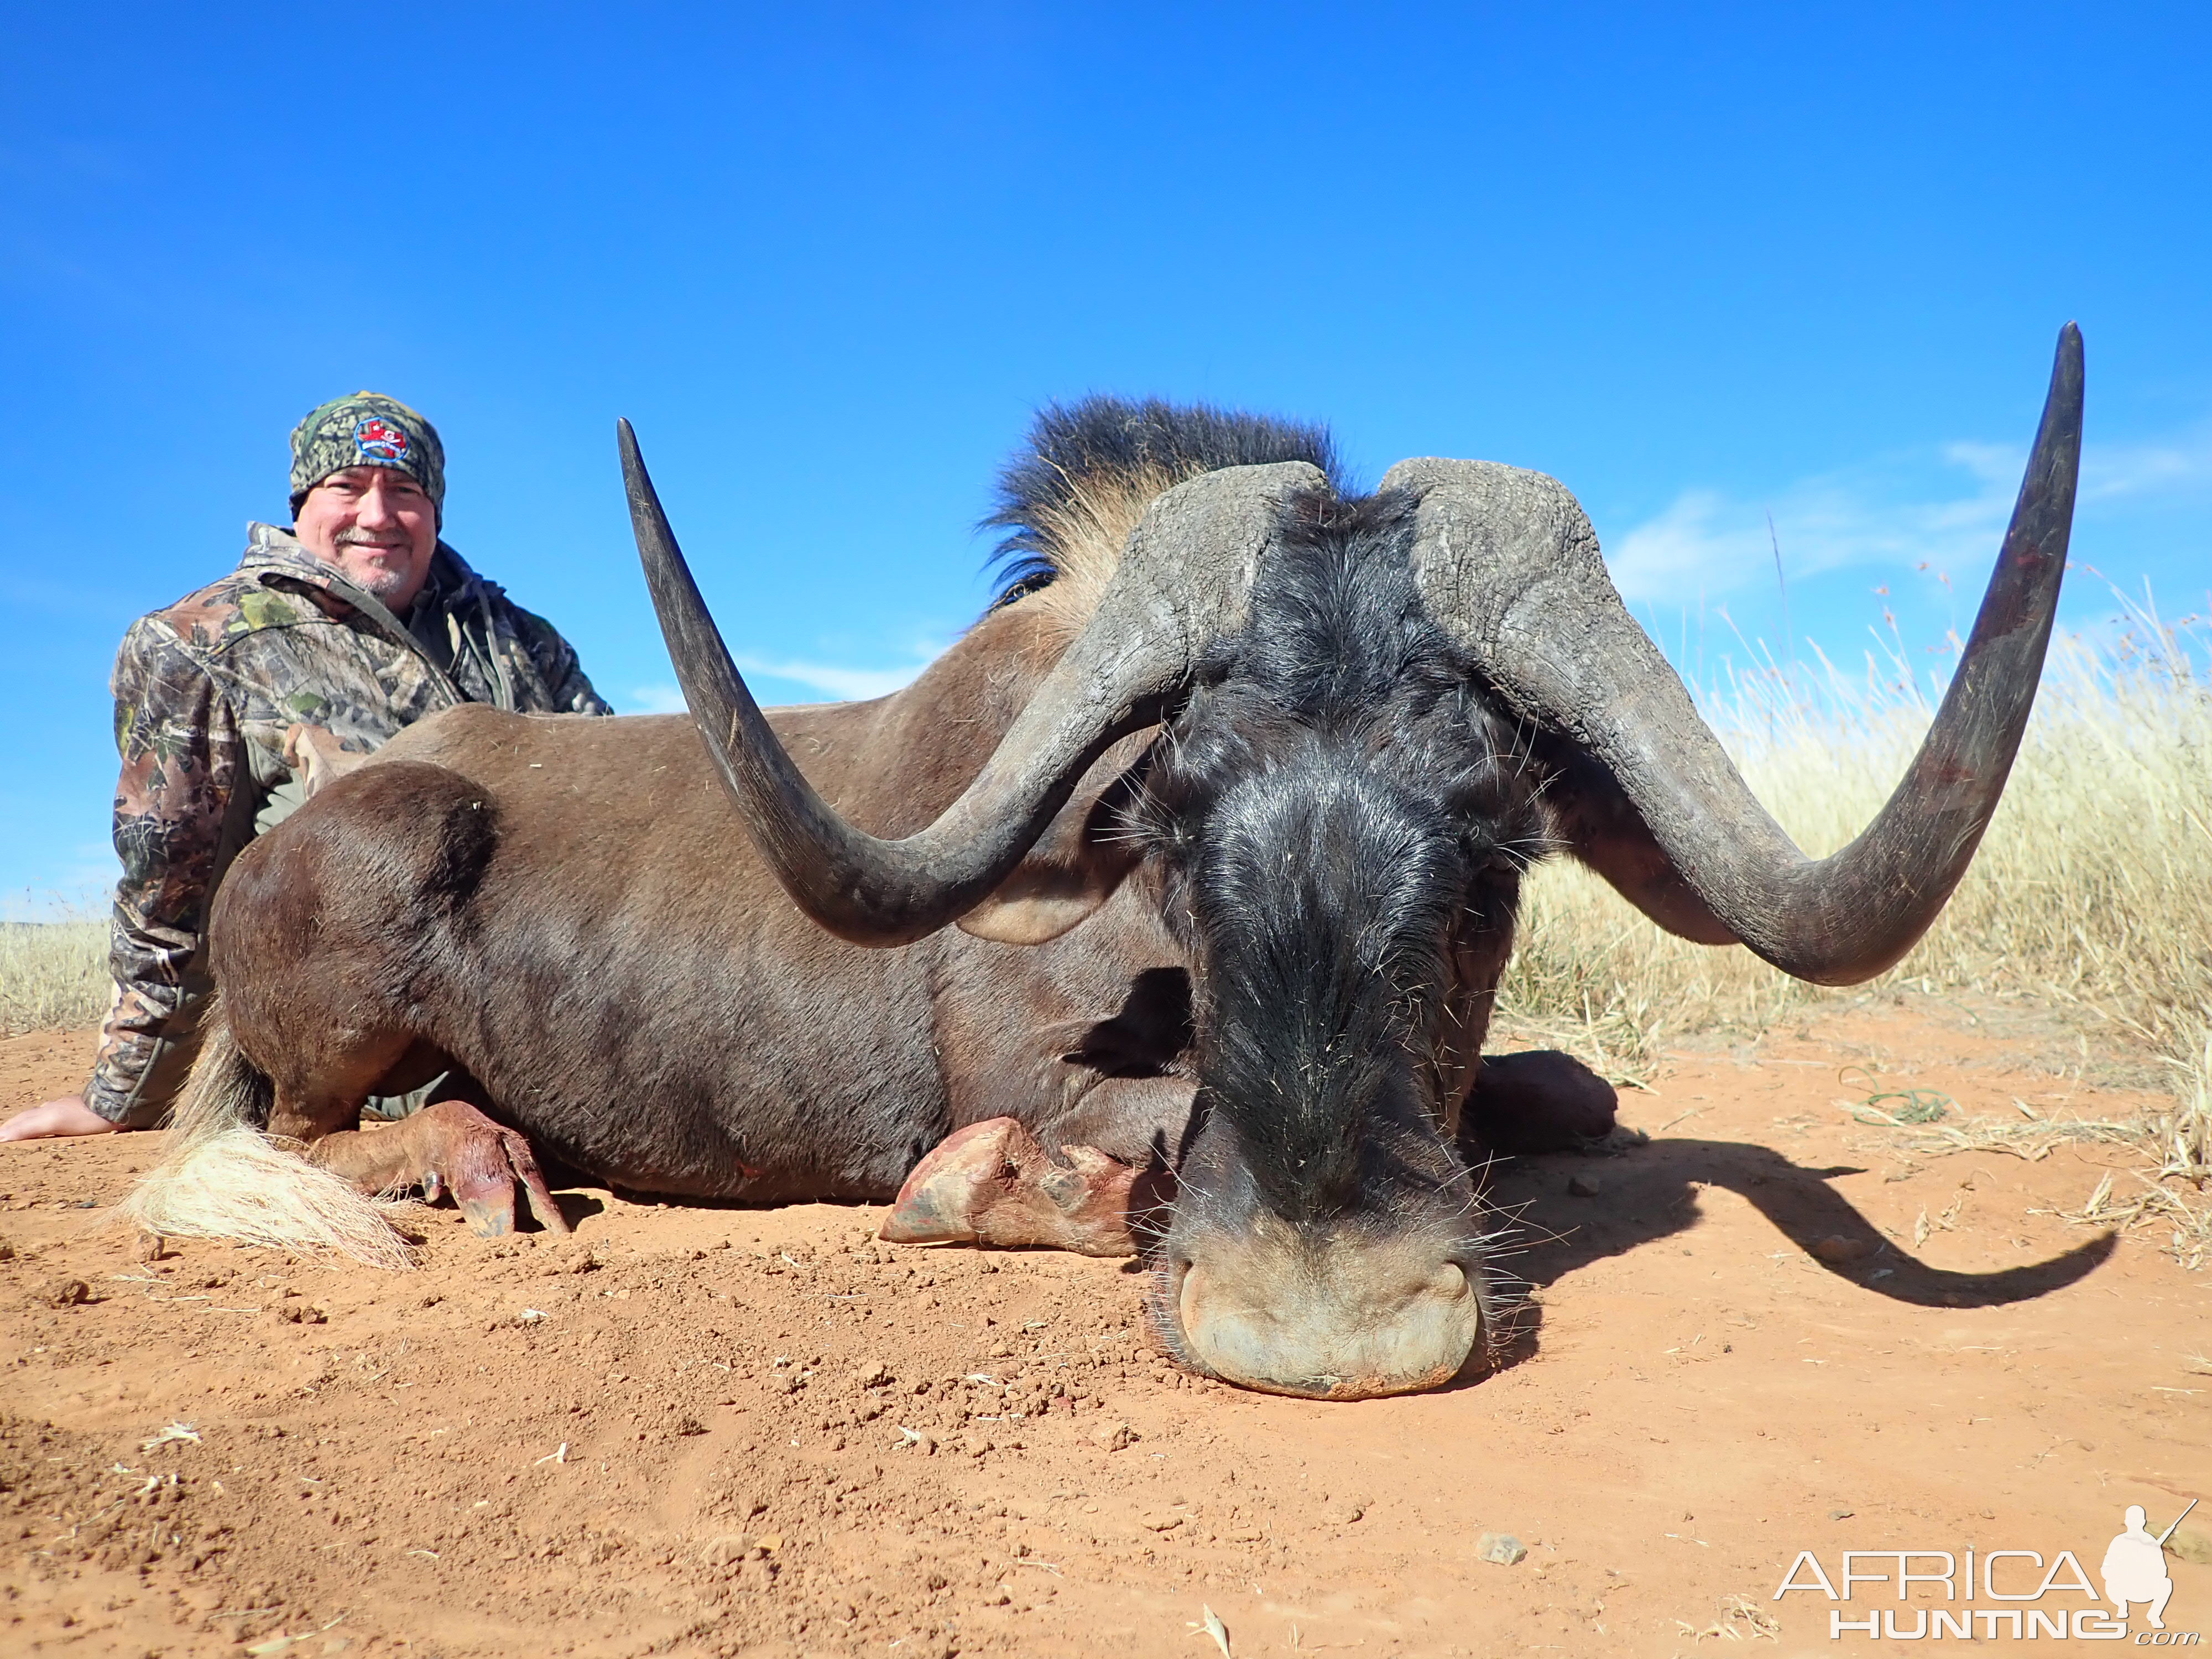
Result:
x=1084 y=533
x=562 y=911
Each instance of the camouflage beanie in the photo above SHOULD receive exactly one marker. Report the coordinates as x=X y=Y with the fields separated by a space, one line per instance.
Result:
x=367 y=429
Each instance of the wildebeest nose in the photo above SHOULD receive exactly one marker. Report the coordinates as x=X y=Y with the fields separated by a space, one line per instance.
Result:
x=1336 y=1323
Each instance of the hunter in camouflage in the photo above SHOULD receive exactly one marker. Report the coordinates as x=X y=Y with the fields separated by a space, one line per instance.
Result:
x=213 y=693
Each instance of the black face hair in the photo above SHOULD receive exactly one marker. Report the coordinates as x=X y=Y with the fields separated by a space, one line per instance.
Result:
x=1326 y=812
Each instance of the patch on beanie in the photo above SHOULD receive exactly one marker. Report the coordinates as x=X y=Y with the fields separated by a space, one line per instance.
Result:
x=378 y=439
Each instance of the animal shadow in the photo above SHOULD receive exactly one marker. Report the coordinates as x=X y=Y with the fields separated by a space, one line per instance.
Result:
x=1649 y=1193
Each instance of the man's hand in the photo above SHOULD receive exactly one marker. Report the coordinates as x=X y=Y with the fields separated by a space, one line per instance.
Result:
x=68 y=1115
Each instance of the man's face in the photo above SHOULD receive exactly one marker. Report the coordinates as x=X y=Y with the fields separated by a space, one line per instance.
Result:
x=376 y=527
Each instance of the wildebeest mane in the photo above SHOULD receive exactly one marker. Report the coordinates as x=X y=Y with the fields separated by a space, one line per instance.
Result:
x=1070 y=497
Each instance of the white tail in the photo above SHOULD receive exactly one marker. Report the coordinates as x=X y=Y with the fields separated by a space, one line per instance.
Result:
x=220 y=1177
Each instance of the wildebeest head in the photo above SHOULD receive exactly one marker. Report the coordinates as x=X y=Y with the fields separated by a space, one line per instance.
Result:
x=1373 y=712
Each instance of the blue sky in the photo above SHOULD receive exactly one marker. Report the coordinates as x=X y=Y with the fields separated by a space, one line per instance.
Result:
x=1702 y=264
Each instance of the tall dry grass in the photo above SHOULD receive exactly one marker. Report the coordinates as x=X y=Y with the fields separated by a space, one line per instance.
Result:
x=2092 y=888
x=53 y=974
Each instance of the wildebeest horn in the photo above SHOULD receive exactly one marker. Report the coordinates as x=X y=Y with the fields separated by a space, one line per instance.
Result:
x=1183 y=582
x=1508 y=563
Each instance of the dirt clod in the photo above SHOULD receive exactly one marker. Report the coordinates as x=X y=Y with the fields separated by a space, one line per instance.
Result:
x=1836 y=1248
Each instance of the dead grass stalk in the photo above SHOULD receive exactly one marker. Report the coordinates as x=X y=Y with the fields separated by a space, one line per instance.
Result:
x=53 y=974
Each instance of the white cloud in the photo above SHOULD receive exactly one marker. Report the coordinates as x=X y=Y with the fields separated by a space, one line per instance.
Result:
x=1822 y=524
x=838 y=681
x=2110 y=471
x=1885 y=513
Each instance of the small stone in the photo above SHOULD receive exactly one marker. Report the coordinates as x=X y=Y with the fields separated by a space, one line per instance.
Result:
x=688 y=1423
x=1582 y=1186
x=1836 y=1248
x=1159 y=1520
x=1112 y=1436
x=1502 y=1548
x=872 y=1376
x=1839 y=1514
x=66 y=1292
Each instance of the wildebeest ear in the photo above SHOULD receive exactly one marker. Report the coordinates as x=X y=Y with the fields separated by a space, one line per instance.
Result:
x=1075 y=866
x=1597 y=823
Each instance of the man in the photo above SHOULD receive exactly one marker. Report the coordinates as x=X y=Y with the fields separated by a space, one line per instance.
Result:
x=359 y=622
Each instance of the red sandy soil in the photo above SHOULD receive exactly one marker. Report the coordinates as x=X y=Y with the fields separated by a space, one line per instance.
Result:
x=724 y=1430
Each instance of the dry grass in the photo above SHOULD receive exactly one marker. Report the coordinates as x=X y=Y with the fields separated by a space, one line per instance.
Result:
x=53 y=976
x=2092 y=888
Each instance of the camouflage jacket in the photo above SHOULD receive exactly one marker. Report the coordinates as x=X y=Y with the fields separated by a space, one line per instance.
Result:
x=205 y=691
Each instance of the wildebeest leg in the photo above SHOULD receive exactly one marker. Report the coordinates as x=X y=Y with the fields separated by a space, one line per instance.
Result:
x=1539 y=1101
x=1534 y=1101
x=450 y=1146
x=993 y=1183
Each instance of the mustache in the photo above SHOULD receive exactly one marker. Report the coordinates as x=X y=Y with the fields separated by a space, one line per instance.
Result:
x=356 y=537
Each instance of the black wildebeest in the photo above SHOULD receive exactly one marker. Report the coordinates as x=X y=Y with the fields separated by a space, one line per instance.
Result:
x=1231 y=796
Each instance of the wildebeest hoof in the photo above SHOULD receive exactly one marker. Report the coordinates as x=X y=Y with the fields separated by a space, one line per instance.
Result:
x=993 y=1183
x=317 y=756
x=1537 y=1102
x=453 y=1147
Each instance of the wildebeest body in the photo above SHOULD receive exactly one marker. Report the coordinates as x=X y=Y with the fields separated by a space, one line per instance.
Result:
x=649 y=1002
x=1230 y=797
